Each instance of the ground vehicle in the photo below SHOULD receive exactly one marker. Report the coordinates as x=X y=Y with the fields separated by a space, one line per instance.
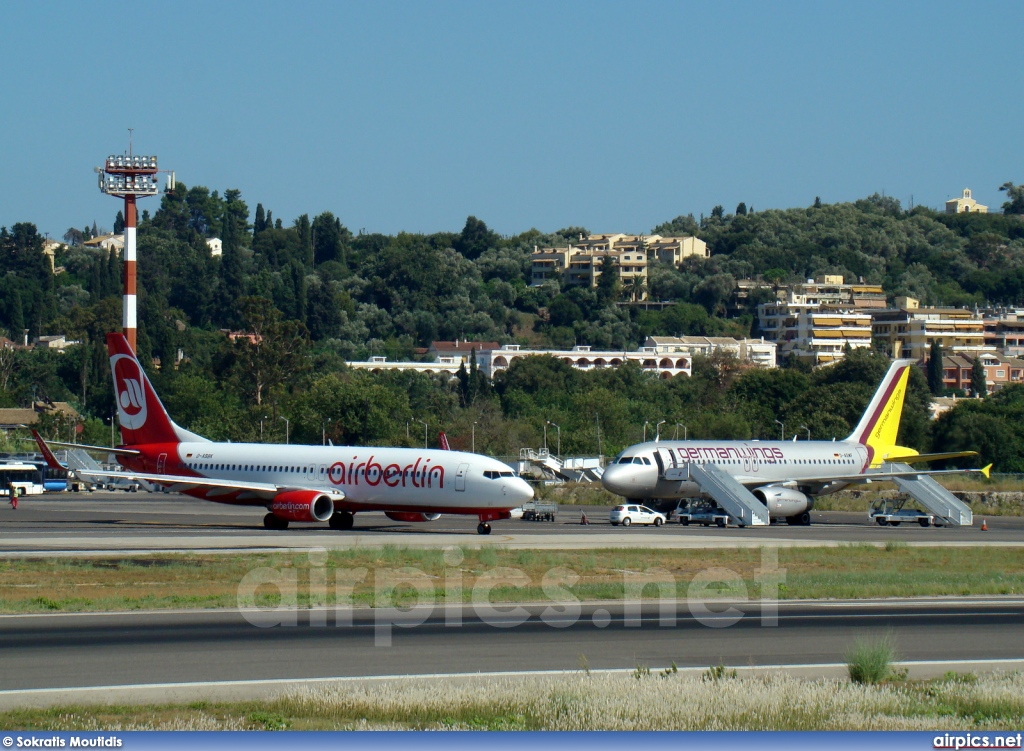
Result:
x=632 y=513
x=23 y=477
x=891 y=512
x=697 y=512
x=539 y=511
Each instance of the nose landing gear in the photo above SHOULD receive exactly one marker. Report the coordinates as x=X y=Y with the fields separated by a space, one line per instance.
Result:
x=483 y=528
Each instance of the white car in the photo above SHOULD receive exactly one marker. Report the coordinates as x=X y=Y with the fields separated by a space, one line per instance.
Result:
x=635 y=514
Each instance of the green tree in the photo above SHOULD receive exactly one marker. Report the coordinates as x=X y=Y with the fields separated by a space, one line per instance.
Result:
x=935 y=371
x=978 y=385
x=608 y=284
x=474 y=239
x=1016 y=195
x=272 y=352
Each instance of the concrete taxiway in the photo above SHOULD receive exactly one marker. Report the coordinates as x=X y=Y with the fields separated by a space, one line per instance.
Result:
x=99 y=523
x=187 y=656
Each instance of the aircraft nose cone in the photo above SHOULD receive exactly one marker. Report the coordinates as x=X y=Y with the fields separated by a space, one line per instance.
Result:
x=521 y=492
x=614 y=479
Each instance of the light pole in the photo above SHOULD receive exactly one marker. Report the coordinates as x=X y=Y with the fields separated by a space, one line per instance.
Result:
x=680 y=425
x=424 y=433
x=782 y=429
x=559 y=429
x=545 y=435
x=597 y=419
x=646 y=423
x=323 y=432
x=111 y=430
x=261 y=427
x=657 y=430
x=804 y=427
x=474 y=437
x=287 y=428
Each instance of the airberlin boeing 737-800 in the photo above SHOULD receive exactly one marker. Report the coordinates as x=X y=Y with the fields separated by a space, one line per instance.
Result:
x=777 y=477
x=301 y=483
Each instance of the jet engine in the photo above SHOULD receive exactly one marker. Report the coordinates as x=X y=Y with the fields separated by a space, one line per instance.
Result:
x=302 y=506
x=782 y=501
x=411 y=516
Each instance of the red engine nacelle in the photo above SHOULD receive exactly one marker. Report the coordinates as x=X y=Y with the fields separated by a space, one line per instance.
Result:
x=411 y=516
x=302 y=506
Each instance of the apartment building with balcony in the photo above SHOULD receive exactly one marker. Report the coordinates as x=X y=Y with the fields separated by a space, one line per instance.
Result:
x=908 y=330
x=812 y=334
x=581 y=262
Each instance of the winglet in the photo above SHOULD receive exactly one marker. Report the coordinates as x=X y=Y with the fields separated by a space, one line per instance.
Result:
x=985 y=470
x=51 y=460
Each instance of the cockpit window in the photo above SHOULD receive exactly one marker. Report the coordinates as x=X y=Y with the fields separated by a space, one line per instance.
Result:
x=646 y=460
x=626 y=460
x=493 y=474
x=637 y=460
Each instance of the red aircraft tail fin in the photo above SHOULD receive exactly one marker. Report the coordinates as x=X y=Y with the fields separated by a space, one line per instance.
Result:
x=44 y=449
x=442 y=441
x=142 y=416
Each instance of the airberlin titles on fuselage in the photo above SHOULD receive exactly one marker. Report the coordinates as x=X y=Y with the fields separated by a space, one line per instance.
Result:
x=393 y=475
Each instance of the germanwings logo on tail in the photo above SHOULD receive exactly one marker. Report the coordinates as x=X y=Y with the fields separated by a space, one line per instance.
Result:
x=131 y=395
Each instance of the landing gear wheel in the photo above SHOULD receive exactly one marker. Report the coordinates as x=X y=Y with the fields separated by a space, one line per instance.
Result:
x=341 y=520
x=805 y=519
x=657 y=522
x=792 y=521
x=923 y=522
x=626 y=522
x=274 y=522
x=483 y=528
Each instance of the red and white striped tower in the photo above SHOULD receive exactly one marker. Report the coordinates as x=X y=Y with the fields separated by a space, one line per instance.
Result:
x=129 y=177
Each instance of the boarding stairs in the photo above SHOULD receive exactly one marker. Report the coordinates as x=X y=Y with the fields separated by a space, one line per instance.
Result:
x=739 y=503
x=932 y=496
x=570 y=469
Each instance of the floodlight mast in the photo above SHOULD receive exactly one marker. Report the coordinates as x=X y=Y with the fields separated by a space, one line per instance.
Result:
x=129 y=177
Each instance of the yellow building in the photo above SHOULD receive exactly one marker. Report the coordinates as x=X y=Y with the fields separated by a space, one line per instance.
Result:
x=579 y=264
x=965 y=205
x=908 y=330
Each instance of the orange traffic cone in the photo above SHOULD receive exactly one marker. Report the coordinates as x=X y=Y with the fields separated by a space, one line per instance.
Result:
x=584 y=519
x=984 y=525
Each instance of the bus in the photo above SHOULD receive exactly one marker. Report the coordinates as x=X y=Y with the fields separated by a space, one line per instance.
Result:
x=24 y=478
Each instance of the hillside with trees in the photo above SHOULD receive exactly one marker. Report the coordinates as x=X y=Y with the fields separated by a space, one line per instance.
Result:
x=321 y=295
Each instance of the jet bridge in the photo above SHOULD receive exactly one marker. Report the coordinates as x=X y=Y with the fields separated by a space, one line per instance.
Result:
x=739 y=503
x=935 y=498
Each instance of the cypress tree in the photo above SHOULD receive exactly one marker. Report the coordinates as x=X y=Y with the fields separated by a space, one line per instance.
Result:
x=935 y=384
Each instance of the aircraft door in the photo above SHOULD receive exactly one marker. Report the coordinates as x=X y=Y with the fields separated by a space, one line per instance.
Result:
x=666 y=460
x=460 y=477
x=161 y=463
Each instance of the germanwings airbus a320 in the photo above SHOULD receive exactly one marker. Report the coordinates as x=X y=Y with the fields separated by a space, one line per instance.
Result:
x=757 y=481
x=298 y=483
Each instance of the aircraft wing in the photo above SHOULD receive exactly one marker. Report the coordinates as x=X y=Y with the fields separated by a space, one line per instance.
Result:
x=104 y=449
x=873 y=475
x=183 y=482
x=915 y=458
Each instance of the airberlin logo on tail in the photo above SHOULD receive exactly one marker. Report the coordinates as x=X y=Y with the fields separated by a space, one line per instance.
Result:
x=131 y=393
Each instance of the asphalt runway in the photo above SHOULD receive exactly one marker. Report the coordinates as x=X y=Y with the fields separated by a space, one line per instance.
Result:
x=77 y=523
x=43 y=653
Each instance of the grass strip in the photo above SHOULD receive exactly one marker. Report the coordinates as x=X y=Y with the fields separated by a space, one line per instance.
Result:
x=645 y=700
x=403 y=576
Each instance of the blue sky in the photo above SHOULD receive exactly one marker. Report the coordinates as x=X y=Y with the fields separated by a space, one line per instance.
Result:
x=413 y=115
